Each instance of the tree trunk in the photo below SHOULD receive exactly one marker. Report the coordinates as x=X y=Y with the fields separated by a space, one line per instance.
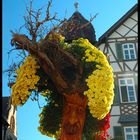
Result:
x=73 y=117
x=75 y=103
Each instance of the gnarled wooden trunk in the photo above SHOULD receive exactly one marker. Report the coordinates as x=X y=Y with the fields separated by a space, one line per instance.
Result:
x=56 y=63
x=73 y=117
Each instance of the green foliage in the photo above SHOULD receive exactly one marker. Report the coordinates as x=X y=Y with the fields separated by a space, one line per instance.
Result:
x=90 y=126
x=51 y=115
x=77 y=51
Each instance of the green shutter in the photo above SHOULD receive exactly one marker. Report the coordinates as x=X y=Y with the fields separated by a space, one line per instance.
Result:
x=118 y=133
x=116 y=92
x=119 y=51
x=124 y=94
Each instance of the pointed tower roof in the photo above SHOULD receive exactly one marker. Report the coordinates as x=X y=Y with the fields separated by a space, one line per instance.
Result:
x=76 y=27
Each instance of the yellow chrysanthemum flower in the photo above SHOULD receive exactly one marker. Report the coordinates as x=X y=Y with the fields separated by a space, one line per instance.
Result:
x=25 y=81
x=100 y=83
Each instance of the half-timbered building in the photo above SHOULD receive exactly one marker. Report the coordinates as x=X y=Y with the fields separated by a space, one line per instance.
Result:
x=120 y=44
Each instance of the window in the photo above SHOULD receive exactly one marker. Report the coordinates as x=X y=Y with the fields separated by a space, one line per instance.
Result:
x=127 y=90
x=131 y=133
x=129 y=51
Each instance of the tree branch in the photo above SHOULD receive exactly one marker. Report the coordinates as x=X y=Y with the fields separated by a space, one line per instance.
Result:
x=47 y=65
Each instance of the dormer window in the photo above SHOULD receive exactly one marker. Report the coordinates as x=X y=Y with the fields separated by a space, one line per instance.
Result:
x=129 y=51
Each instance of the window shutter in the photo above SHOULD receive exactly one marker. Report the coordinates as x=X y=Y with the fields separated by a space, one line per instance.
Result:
x=124 y=94
x=118 y=133
x=116 y=93
x=119 y=51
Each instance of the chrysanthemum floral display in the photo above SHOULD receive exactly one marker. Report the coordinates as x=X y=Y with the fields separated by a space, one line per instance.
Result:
x=97 y=75
x=100 y=83
x=51 y=114
x=99 y=78
x=25 y=81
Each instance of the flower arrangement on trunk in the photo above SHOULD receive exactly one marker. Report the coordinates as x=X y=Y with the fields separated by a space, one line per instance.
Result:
x=98 y=78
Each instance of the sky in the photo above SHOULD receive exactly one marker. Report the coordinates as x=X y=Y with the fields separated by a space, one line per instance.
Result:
x=109 y=12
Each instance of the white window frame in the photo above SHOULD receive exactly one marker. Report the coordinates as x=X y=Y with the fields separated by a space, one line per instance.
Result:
x=129 y=51
x=127 y=90
x=130 y=133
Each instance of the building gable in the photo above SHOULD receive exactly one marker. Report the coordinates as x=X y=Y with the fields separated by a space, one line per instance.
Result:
x=112 y=42
x=132 y=13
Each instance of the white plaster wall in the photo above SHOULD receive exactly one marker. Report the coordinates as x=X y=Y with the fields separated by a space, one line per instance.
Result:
x=131 y=64
x=113 y=47
x=115 y=67
x=115 y=110
x=9 y=117
x=130 y=22
x=136 y=68
x=15 y=123
x=122 y=30
x=135 y=15
x=114 y=35
x=136 y=74
x=135 y=28
x=131 y=33
x=101 y=47
x=10 y=114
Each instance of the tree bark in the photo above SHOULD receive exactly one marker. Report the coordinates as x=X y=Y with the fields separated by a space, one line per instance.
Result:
x=73 y=117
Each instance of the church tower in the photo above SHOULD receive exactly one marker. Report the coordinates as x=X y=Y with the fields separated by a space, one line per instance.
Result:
x=78 y=27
